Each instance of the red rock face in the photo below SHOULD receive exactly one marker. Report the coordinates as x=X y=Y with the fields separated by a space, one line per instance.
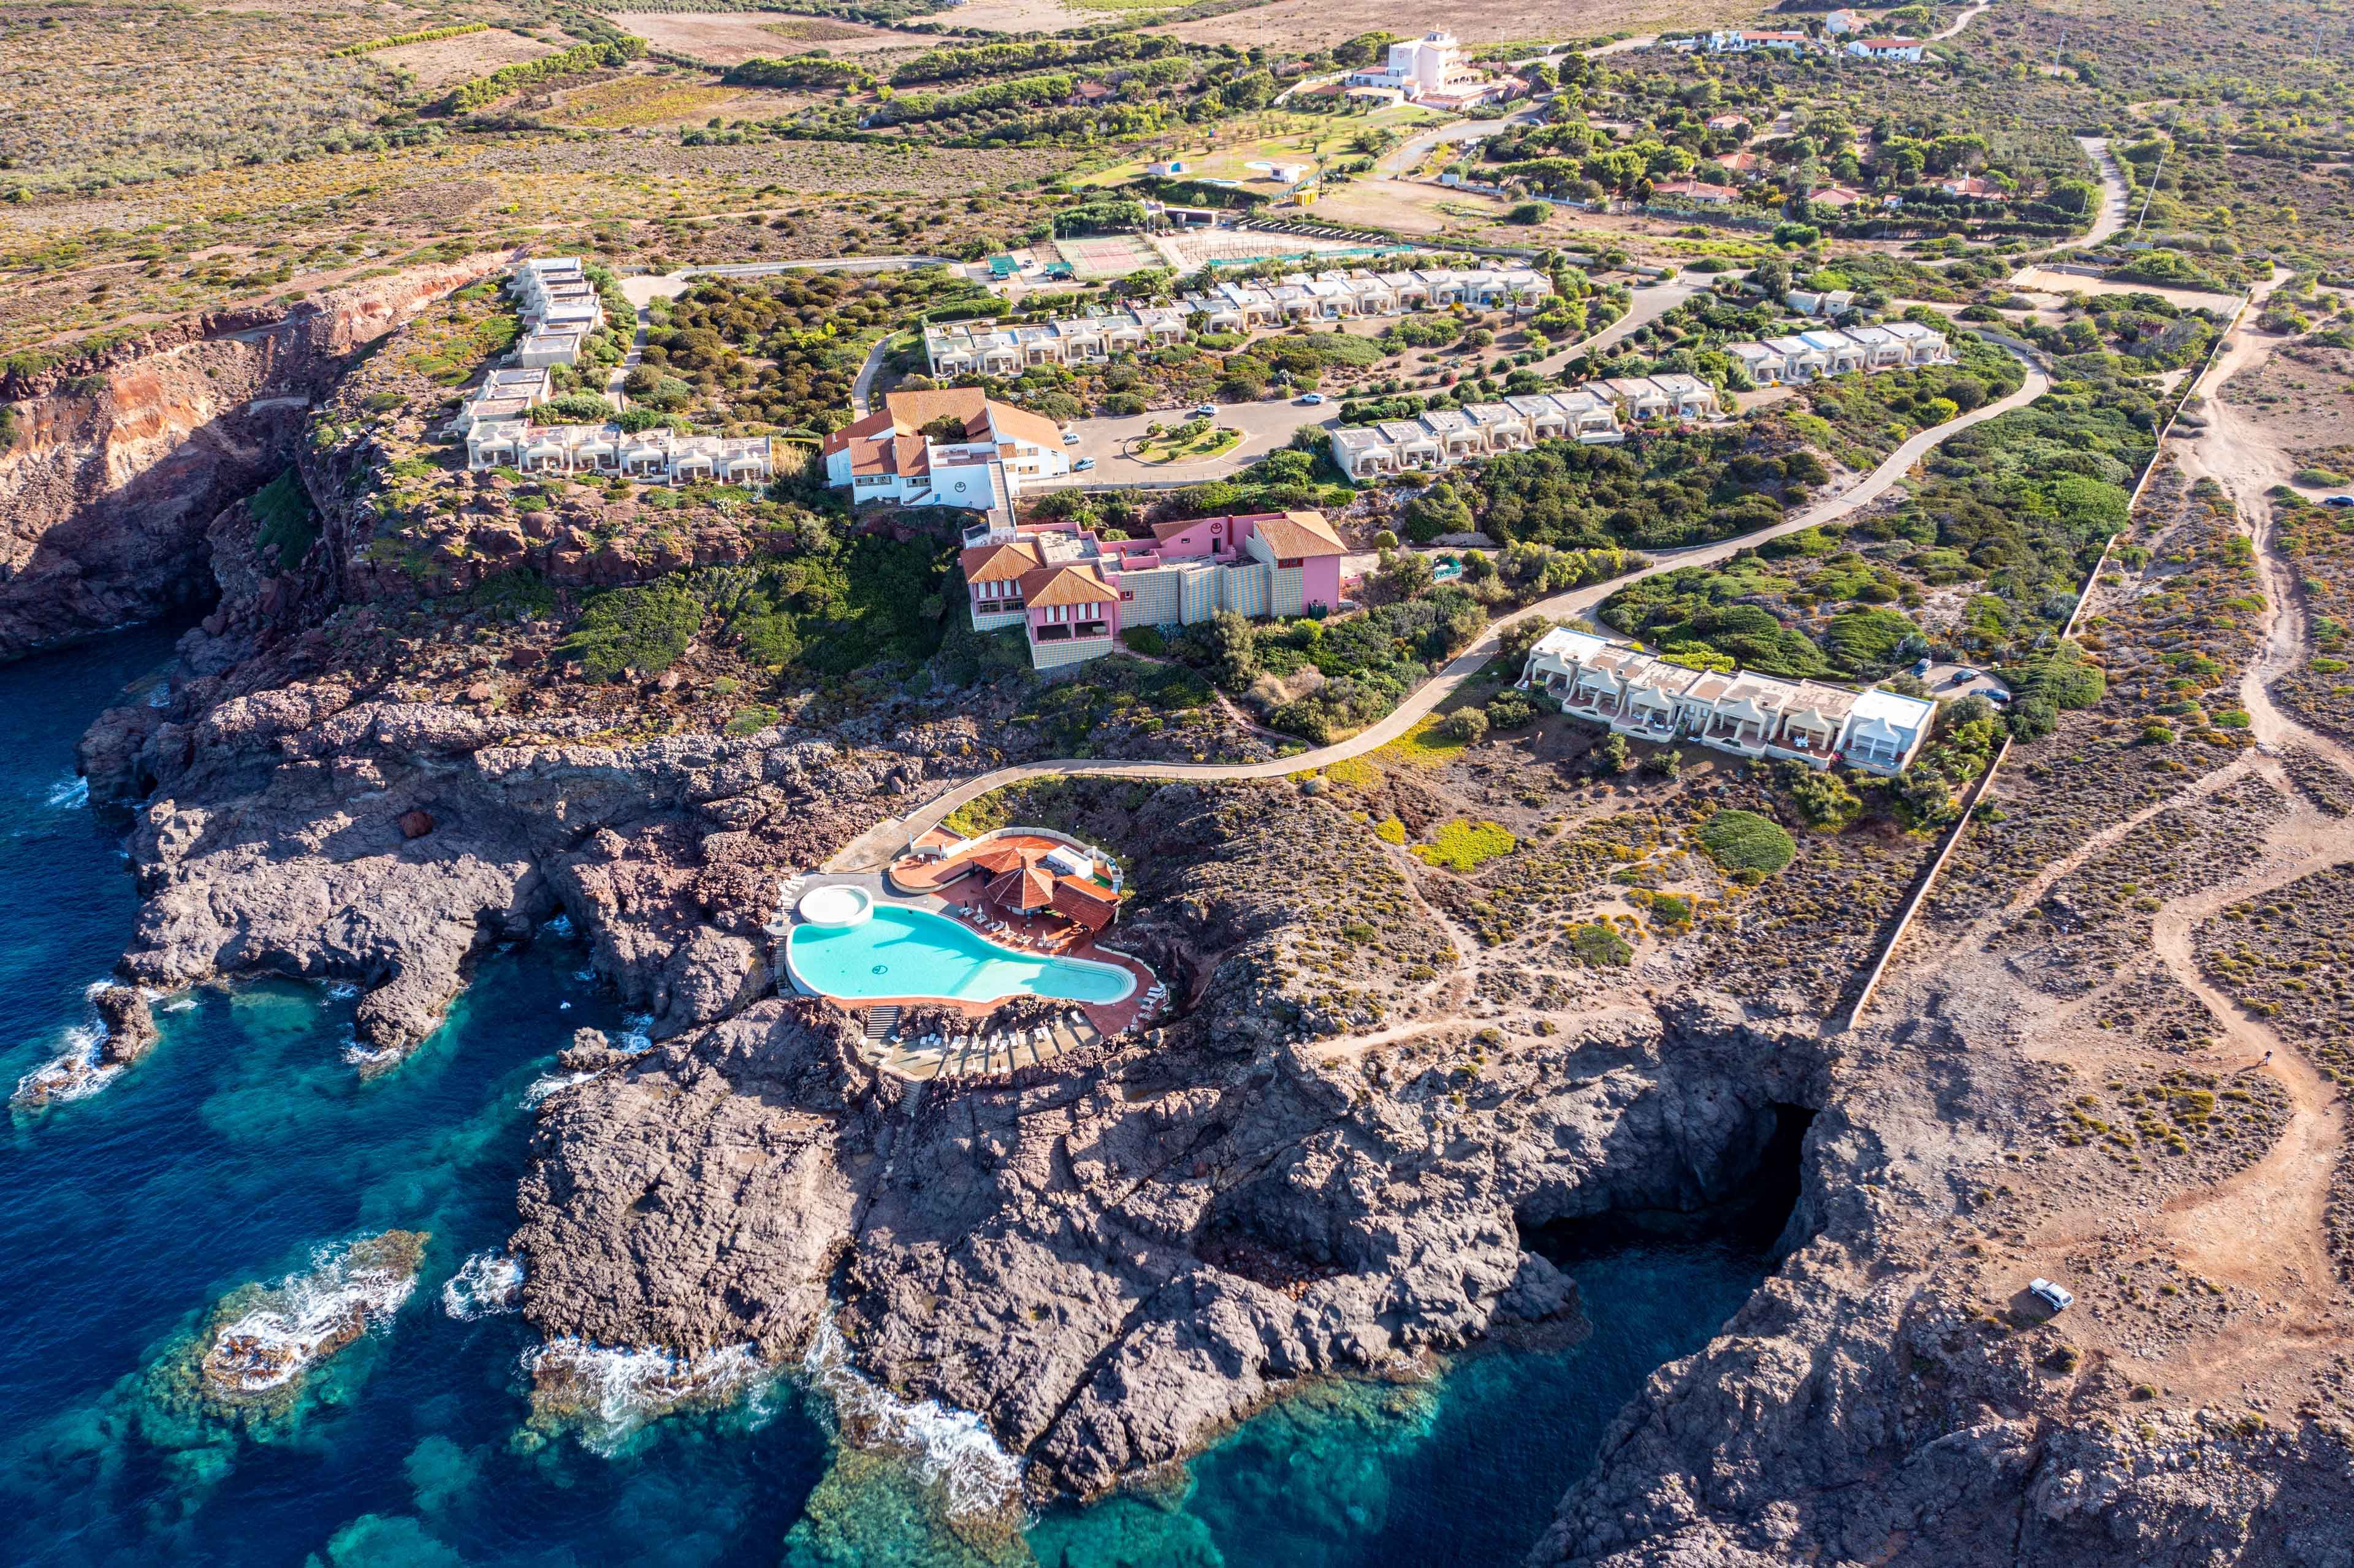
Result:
x=119 y=466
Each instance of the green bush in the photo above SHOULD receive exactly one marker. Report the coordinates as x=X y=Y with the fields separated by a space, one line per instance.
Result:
x=1466 y=725
x=288 y=526
x=1144 y=639
x=1599 y=946
x=1746 y=843
x=1465 y=846
x=642 y=629
x=1823 y=798
x=1510 y=710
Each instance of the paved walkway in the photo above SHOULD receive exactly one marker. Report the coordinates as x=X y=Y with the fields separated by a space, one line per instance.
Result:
x=876 y=847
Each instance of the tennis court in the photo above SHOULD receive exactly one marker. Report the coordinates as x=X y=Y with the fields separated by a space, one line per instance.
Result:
x=1103 y=256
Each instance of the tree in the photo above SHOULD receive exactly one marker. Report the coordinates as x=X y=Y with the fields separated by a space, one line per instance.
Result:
x=1469 y=726
x=1440 y=508
x=1233 y=644
x=1609 y=758
x=1405 y=575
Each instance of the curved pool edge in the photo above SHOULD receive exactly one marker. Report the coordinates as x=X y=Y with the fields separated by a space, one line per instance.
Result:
x=1132 y=981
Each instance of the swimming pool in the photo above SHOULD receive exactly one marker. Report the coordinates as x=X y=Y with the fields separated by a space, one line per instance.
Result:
x=913 y=952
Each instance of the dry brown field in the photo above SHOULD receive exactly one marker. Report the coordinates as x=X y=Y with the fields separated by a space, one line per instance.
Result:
x=726 y=38
x=1313 y=24
x=447 y=60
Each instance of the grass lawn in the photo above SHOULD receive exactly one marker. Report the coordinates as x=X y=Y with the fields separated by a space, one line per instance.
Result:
x=1209 y=444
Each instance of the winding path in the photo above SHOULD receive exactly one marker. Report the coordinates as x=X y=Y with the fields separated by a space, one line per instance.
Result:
x=879 y=844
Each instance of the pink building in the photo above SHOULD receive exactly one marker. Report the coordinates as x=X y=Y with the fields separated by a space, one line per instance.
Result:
x=1073 y=590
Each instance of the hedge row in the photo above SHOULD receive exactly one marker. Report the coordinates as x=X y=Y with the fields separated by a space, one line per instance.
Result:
x=484 y=89
x=429 y=35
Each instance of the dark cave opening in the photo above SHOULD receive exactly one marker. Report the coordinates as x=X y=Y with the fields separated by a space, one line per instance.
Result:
x=1754 y=1216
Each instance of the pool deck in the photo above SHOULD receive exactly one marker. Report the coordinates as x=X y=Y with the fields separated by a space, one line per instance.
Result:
x=1104 y=1020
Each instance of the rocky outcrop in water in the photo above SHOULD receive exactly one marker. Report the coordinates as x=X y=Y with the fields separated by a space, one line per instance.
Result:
x=129 y=1023
x=121 y=461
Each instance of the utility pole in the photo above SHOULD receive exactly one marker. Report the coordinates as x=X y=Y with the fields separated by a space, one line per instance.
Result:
x=2152 y=191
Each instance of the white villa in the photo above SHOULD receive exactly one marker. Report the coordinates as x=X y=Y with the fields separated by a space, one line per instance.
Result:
x=985 y=348
x=1814 y=355
x=890 y=456
x=1888 y=49
x=503 y=395
x=1450 y=438
x=1747 y=715
x=1337 y=296
x=1741 y=41
x=557 y=296
x=1429 y=69
x=654 y=457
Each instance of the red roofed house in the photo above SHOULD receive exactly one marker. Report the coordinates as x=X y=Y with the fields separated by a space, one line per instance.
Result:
x=1026 y=874
x=1697 y=191
x=981 y=463
x=1887 y=48
x=1974 y=186
x=1073 y=590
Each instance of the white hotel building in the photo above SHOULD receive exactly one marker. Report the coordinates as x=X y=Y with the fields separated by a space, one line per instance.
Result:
x=1748 y=715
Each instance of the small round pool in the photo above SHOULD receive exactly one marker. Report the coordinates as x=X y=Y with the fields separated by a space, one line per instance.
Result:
x=835 y=905
x=901 y=952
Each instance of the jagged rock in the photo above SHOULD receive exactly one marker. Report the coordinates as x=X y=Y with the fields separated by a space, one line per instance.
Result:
x=415 y=823
x=130 y=1025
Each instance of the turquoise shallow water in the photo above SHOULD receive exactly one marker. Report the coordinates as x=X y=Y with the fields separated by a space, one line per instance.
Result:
x=912 y=952
x=244 y=1144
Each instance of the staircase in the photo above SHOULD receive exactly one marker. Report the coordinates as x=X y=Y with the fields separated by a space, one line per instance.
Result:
x=881 y=1023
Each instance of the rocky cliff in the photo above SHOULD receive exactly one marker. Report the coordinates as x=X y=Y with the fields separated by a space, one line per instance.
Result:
x=118 y=465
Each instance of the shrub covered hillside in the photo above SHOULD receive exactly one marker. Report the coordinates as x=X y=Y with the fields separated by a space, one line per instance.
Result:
x=782 y=351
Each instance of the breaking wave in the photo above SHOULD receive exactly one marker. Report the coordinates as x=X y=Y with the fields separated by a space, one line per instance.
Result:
x=636 y=1036
x=953 y=1449
x=557 y=926
x=69 y=793
x=485 y=1283
x=75 y=1073
x=305 y=1317
x=609 y=1392
x=548 y=1084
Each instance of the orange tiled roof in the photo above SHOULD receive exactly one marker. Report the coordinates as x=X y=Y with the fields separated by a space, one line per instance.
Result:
x=1083 y=903
x=1065 y=585
x=1023 y=425
x=1291 y=534
x=1028 y=888
x=911 y=411
x=998 y=563
x=878 y=423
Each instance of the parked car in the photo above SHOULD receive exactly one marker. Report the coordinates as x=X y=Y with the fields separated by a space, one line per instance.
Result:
x=1921 y=668
x=1962 y=676
x=1070 y=437
x=1083 y=465
x=2337 y=501
x=1312 y=399
x=1206 y=411
x=2052 y=1295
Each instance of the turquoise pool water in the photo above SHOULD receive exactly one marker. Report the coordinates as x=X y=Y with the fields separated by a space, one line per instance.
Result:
x=912 y=952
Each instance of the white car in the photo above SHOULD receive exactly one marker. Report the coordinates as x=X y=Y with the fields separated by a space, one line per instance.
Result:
x=1206 y=411
x=1083 y=465
x=2055 y=1296
x=1313 y=401
x=1070 y=437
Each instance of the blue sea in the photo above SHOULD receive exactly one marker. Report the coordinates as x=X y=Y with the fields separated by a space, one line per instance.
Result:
x=246 y=1150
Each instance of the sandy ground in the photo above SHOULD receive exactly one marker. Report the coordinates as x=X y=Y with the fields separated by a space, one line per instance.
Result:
x=2043 y=279
x=1023 y=15
x=1313 y=24
x=447 y=60
x=726 y=38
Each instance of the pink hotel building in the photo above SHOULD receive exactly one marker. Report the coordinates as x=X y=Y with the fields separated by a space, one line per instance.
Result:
x=1073 y=592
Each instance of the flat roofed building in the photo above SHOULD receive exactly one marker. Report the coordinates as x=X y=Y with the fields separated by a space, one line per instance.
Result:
x=1748 y=715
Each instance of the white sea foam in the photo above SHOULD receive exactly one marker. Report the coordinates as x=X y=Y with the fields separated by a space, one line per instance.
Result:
x=485 y=1283
x=73 y=1073
x=337 y=990
x=371 y=1058
x=548 y=1084
x=557 y=926
x=636 y=1033
x=308 y=1315
x=69 y=794
x=614 y=1391
x=953 y=1449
